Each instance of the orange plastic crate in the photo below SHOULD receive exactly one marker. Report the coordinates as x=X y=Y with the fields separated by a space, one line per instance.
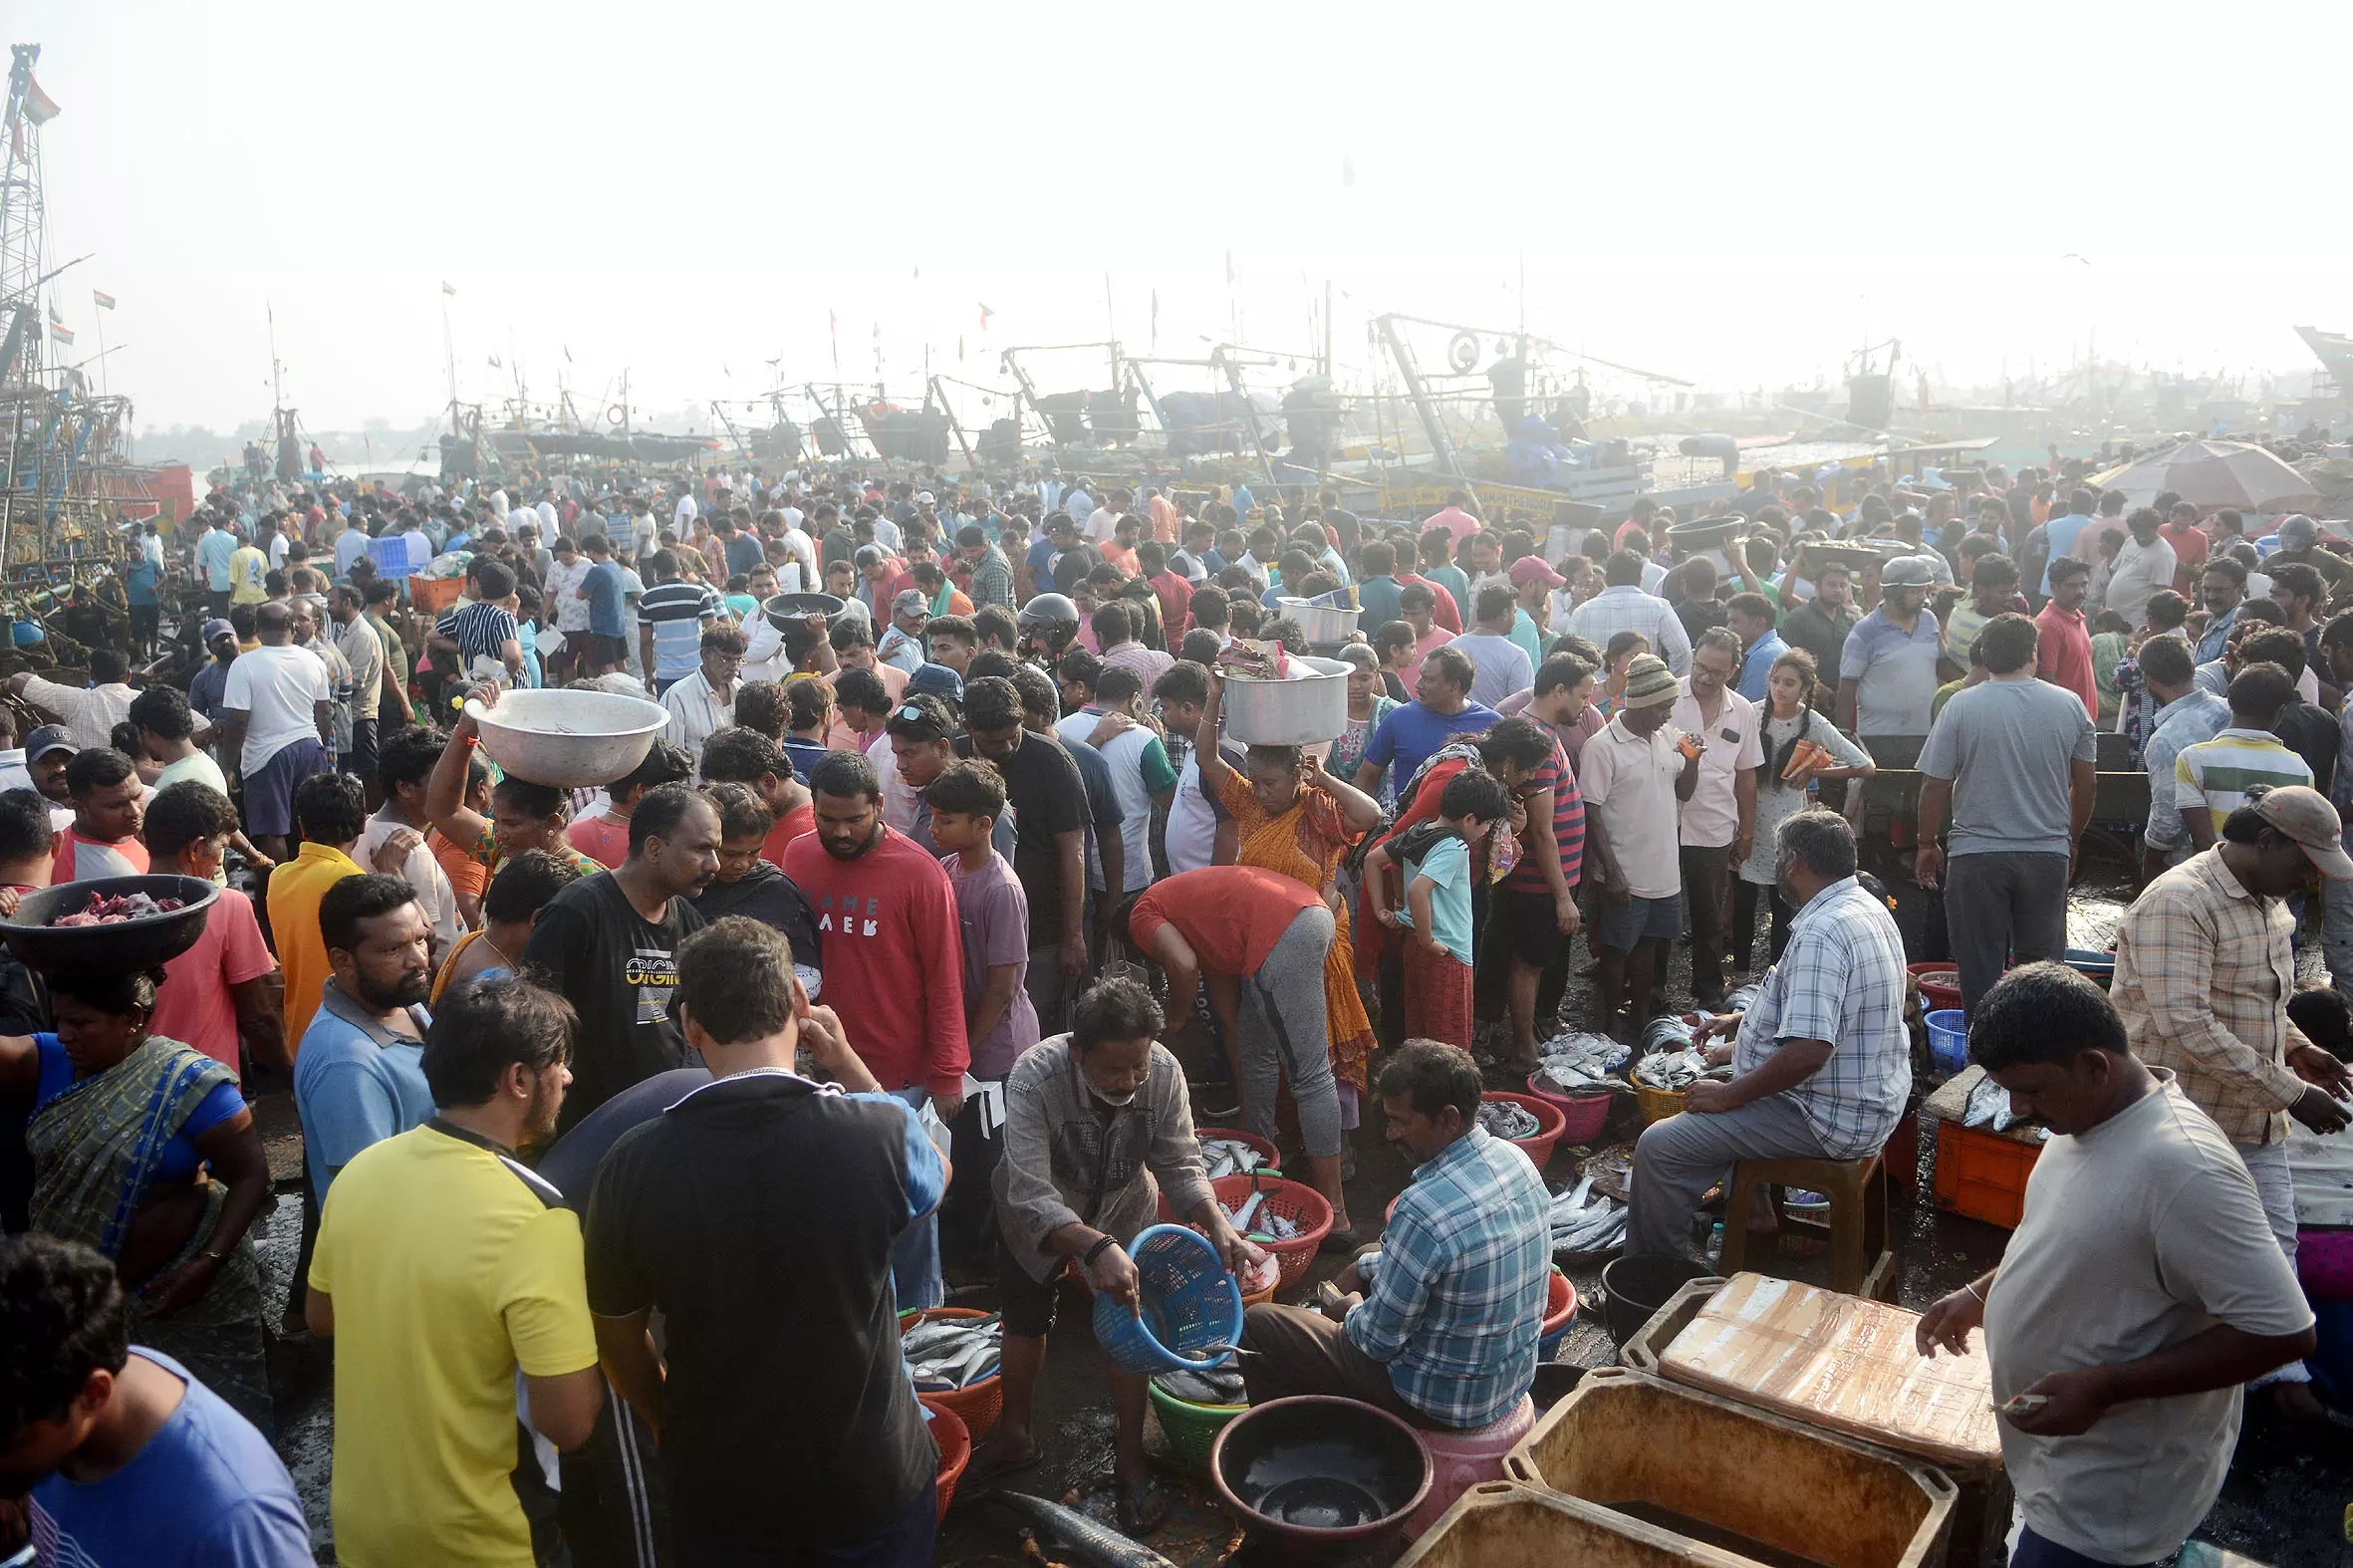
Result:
x=1982 y=1175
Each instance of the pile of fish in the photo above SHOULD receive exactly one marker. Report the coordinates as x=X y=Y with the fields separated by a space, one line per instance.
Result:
x=1280 y=1227
x=1225 y=1156
x=1990 y=1106
x=1253 y=659
x=952 y=1353
x=1580 y=1063
x=113 y=909
x=1742 y=997
x=1584 y=1221
x=1504 y=1120
x=1667 y=1032
x=1677 y=1069
x=1217 y=1385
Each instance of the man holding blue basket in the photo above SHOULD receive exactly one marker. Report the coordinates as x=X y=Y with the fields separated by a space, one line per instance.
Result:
x=1098 y=1126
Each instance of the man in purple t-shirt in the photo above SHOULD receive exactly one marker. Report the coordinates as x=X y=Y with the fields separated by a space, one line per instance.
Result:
x=966 y=801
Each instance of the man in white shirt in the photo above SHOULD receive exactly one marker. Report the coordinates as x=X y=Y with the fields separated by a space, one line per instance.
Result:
x=401 y=772
x=90 y=714
x=1103 y=521
x=277 y=716
x=683 y=514
x=1633 y=778
x=799 y=575
x=2144 y=563
x=703 y=703
x=1622 y=606
x=562 y=589
x=1719 y=821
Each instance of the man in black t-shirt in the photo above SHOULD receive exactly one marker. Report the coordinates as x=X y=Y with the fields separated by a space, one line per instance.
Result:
x=606 y=944
x=758 y=1215
x=1049 y=802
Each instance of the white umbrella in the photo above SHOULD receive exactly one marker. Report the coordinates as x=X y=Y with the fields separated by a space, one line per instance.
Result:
x=2214 y=474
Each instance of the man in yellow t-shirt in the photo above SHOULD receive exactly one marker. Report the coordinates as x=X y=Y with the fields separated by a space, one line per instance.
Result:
x=249 y=571
x=329 y=812
x=444 y=1266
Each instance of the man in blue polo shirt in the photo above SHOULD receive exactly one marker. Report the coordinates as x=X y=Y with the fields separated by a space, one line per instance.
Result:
x=359 y=1073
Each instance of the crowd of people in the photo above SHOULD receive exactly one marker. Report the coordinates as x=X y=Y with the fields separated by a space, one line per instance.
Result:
x=634 y=1116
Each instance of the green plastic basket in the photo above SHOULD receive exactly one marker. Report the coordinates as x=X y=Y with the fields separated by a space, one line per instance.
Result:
x=1191 y=1429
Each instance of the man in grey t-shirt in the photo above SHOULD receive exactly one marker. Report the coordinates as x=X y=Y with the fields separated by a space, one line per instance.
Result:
x=2140 y=1290
x=2012 y=756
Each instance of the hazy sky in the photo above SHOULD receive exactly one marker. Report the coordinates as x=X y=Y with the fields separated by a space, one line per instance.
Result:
x=1735 y=196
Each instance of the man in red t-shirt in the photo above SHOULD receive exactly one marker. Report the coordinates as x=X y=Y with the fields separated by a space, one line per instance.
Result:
x=894 y=965
x=2190 y=547
x=2063 y=644
x=1257 y=938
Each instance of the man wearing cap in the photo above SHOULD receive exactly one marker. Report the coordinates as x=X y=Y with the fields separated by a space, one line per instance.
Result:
x=1533 y=582
x=1633 y=777
x=1886 y=672
x=2205 y=967
x=47 y=751
x=902 y=642
x=220 y=640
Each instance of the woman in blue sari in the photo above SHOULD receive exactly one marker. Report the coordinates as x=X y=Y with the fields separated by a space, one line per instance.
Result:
x=144 y=1148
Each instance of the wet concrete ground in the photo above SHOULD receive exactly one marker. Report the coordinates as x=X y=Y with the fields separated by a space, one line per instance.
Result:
x=2285 y=1502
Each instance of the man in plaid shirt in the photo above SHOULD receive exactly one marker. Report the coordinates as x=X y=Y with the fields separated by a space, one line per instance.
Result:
x=1447 y=1337
x=2205 y=966
x=1822 y=1060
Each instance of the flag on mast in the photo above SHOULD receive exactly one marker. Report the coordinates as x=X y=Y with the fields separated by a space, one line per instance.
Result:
x=447 y=289
x=40 y=108
x=105 y=302
x=58 y=330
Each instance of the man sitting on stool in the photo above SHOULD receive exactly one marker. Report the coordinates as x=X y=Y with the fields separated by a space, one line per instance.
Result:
x=1446 y=1339
x=1824 y=1060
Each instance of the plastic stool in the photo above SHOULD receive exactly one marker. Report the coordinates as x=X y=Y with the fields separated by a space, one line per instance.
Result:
x=1860 y=1262
x=1459 y=1461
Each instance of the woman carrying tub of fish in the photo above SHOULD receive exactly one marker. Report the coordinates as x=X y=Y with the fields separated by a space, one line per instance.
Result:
x=1097 y=1126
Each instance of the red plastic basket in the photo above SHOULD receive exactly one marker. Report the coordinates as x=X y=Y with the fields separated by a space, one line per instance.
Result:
x=1582 y=1116
x=976 y=1405
x=1560 y=1305
x=1296 y=1201
x=1551 y=1122
x=1940 y=984
x=955 y=1448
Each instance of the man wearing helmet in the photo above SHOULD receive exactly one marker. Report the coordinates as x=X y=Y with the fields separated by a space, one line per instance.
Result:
x=1047 y=625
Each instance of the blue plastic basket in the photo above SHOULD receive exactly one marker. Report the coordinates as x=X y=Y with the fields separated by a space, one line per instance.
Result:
x=1189 y=1303
x=1948 y=1039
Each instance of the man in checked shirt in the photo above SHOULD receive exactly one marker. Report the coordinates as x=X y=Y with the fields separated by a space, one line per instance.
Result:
x=2205 y=967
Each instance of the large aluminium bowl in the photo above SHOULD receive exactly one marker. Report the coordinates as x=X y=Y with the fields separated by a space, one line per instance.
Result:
x=104 y=950
x=570 y=739
x=1297 y=712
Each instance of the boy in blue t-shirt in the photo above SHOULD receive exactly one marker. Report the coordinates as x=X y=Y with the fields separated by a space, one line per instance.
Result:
x=1434 y=860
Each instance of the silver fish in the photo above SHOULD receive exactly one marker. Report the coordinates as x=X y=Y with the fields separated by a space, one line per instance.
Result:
x=1507 y=1121
x=1081 y=1536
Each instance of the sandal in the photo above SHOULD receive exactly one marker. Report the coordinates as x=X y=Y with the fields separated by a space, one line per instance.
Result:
x=987 y=1464
x=1140 y=1507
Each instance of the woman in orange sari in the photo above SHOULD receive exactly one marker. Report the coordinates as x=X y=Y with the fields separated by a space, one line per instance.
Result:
x=1294 y=817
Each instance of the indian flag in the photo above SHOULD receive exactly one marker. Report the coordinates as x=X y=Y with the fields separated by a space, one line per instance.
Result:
x=105 y=302
x=40 y=108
